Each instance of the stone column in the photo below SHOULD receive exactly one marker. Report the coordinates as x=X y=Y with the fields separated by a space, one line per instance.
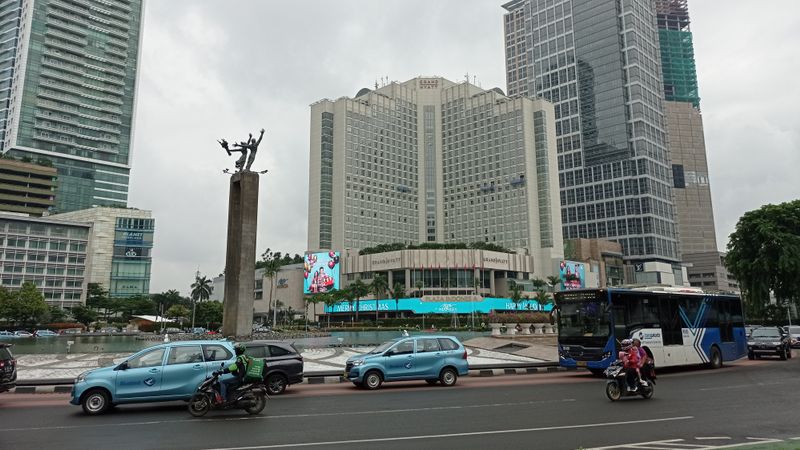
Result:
x=240 y=260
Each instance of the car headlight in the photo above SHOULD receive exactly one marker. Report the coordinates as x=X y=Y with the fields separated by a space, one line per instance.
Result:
x=777 y=343
x=81 y=377
x=358 y=362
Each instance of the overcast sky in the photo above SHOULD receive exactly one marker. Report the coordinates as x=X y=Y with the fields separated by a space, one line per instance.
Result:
x=217 y=68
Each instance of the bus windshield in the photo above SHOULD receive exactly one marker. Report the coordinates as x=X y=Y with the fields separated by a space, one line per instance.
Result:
x=586 y=318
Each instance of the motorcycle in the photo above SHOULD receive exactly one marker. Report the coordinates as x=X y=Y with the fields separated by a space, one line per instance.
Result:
x=252 y=397
x=616 y=387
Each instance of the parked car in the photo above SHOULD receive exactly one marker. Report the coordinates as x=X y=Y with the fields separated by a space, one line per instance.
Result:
x=22 y=334
x=283 y=364
x=164 y=372
x=432 y=358
x=109 y=330
x=198 y=330
x=8 y=368
x=6 y=334
x=794 y=335
x=171 y=330
x=768 y=341
x=45 y=333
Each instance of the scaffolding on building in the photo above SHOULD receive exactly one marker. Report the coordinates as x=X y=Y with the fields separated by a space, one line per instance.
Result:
x=677 y=52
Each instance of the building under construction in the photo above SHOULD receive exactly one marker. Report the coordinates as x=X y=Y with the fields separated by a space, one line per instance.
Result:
x=677 y=52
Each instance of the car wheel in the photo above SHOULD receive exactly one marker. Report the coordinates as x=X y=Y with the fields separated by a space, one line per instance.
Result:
x=95 y=402
x=276 y=384
x=373 y=380
x=432 y=381
x=715 y=362
x=751 y=356
x=448 y=377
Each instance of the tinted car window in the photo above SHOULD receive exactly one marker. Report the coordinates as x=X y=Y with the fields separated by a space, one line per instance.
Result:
x=278 y=351
x=149 y=359
x=403 y=348
x=4 y=353
x=427 y=345
x=185 y=354
x=255 y=351
x=447 y=344
x=215 y=352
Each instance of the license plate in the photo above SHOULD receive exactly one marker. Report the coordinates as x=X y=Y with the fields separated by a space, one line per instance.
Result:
x=581 y=363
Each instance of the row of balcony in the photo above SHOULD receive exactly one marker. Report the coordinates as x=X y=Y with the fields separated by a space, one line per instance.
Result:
x=48 y=104
x=72 y=132
x=80 y=81
x=71 y=121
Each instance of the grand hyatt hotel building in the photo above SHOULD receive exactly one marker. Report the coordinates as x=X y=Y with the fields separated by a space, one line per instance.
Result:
x=430 y=160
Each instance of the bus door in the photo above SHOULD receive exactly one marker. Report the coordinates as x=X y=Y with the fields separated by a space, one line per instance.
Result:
x=672 y=332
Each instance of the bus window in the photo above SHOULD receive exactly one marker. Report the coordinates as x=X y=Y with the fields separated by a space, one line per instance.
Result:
x=633 y=312
x=725 y=320
x=671 y=323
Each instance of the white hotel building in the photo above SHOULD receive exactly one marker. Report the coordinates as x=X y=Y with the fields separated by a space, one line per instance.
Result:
x=430 y=160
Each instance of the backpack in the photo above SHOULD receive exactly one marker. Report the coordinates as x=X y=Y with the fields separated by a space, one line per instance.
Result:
x=255 y=370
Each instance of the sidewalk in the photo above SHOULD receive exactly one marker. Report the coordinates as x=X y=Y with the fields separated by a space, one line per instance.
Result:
x=480 y=352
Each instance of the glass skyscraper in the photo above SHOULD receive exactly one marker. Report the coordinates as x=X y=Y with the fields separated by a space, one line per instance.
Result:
x=67 y=92
x=598 y=61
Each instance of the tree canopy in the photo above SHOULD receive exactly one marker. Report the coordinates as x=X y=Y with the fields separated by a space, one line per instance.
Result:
x=764 y=255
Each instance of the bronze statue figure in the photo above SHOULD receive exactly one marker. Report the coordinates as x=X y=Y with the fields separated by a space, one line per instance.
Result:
x=244 y=162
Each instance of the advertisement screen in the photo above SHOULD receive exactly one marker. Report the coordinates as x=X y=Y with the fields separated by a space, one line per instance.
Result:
x=321 y=272
x=572 y=275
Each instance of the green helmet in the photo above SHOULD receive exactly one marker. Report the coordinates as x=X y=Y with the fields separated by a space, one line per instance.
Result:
x=239 y=349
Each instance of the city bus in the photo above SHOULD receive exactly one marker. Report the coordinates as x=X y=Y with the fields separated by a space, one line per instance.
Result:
x=679 y=326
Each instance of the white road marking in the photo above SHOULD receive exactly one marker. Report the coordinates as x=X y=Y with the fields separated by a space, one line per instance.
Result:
x=473 y=433
x=672 y=444
x=701 y=438
x=292 y=416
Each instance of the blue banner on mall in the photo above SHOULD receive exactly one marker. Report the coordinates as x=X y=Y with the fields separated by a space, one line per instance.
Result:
x=418 y=306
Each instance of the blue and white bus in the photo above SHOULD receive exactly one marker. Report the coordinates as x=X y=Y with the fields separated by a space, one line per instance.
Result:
x=680 y=326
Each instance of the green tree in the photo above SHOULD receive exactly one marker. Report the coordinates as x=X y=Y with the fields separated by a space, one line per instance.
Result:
x=419 y=285
x=209 y=313
x=378 y=287
x=764 y=255
x=397 y=292
x=165 y=300
x=84 y=315
x=177 y=313
x=271 y=262
x=31 y=308
x=553 y=281
x=201 y=291
x=97 y=299
x=516 y=293
x=57 y=314
x=330 y=299
x=358 y=289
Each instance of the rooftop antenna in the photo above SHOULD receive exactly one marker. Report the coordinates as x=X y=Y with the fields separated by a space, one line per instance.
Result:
x=376 y=83
x=466 y=76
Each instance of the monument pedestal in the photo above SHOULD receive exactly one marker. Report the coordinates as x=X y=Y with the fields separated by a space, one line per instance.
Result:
x=240 y=260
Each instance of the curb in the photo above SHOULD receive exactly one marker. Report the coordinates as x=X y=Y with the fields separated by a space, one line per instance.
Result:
x=63 y=386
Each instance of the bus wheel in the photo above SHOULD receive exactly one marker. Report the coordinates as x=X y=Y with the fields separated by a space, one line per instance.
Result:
x=716 y=358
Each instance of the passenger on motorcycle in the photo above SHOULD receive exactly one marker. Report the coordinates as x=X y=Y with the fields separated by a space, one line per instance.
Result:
x=646 y=362
x=630 y=361
x=238 y=368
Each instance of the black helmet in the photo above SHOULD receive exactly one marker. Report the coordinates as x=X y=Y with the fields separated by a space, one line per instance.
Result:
x=239 y=349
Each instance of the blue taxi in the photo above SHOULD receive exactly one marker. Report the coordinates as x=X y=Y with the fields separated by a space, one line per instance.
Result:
x=435 y=359
x=164 y=372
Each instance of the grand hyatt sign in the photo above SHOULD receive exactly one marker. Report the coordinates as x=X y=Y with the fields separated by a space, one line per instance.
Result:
x=386 y=261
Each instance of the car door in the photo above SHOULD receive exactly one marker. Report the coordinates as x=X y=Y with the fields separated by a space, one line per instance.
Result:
x=399 y=360
x=184 y=370
x=215 y=355
x=140 y=376
x=288 y=361
x=428 y=358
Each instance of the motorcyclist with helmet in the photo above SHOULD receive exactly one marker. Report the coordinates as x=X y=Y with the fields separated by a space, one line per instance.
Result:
x=630 y=361
x=238 y=368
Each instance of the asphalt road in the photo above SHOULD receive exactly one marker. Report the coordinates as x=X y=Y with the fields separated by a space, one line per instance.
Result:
x=749 y=402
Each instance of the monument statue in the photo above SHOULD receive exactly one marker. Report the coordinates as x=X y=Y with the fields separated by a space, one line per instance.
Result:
x=244 y=162
x=237 y=307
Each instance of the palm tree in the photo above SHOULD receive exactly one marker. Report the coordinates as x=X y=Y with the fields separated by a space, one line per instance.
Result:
x=516 y=294
x=544 y=297
x=397 y=292
x=378 y=287
x=358 y=290
x=539 y=284
x=201 y=291
x=419 y=285
x=271 y=263
x=330 y=299
x=553 y=281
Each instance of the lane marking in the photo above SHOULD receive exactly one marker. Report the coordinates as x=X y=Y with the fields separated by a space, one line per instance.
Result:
x=293 y=416
x=701 y=438
x=452 y=435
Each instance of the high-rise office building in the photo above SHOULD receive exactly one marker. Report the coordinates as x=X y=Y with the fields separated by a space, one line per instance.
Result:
x=598 y=62
x=691 y=186
x=67 y=84
x=430 y=160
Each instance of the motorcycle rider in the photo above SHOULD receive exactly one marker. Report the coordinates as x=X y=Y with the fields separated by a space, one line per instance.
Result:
x=630 y=361
x=238 y=368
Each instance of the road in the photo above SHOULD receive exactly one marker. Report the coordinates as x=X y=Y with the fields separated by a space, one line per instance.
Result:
x=738 y=404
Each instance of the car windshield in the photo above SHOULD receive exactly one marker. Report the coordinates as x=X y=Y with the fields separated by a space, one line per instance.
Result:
x=586 y=318
x=766 y=332
x=794 y=330
x=383 y=347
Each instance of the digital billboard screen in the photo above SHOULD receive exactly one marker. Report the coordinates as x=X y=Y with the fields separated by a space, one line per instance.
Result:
x=321 y=272
x=572 y=275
